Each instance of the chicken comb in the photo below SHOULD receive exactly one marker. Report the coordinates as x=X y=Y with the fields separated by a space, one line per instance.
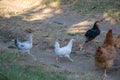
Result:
x=110 y=30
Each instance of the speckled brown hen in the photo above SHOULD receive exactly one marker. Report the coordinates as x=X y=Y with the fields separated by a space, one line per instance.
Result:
x=106 y=53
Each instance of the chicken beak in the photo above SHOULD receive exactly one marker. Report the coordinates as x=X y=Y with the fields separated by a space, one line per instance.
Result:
x=101 y=21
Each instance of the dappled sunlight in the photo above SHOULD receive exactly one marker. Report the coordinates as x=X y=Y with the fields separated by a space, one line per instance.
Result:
x=112 y=16
x=47 y=10
x=41 y=15
x=75 y=30
x=43 y=12
x=80 y=27
x=54 y=4
x=83 y=23
x=29 y=10
x=16 y=7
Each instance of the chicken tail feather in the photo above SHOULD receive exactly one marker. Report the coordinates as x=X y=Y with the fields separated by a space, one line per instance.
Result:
x=16 y=42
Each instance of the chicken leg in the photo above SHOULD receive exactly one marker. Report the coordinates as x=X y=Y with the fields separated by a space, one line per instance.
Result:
x=95 y=41
x=105 y=74
x=18 y=54
x=32 y=56
x=57 y=59
x=81 y=46
x=69 y=58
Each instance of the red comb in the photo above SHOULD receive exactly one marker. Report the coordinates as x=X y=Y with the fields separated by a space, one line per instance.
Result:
x=110 y=29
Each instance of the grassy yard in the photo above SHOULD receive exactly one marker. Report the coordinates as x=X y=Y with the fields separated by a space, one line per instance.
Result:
x=11 y=70
x=23 y=14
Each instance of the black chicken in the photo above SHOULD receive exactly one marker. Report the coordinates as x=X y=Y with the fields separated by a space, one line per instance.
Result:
x=93 y=33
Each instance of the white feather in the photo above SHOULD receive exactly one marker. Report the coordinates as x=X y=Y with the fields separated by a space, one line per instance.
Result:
x=64 y=51
x=24 y=47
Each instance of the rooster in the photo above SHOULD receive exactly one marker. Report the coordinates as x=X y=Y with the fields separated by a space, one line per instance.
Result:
x=64 y=51
x=106 y=53
x=24 y=47
x=91 y=34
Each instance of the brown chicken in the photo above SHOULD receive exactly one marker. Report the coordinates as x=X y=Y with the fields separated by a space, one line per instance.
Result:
x=106 y=53
x=117 y=42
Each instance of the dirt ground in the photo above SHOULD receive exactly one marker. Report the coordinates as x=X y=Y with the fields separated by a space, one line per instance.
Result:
x=52 y=24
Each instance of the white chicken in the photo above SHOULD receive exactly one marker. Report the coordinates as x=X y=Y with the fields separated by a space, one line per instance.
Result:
x=24 y=47
x=64 y=51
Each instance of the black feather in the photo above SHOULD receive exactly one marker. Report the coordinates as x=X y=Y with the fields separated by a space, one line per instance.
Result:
x=92 y=33
x=15 y=42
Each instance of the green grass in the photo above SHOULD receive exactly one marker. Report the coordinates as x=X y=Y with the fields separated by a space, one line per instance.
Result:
x=82 y=6
x=84 y=76
x=96 y=5
x=87 y=6
x=30 y=73
x=90 y=6
x=11 y=69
